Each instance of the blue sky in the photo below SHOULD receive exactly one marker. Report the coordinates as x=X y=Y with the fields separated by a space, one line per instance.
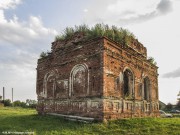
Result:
x=27 y=27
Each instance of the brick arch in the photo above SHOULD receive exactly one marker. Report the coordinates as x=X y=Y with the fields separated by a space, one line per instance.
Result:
x=128 y=82
x=79 y=81
x=49 y=83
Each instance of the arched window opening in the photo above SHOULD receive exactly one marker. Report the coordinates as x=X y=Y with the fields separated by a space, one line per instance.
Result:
x=79 y=82
x=146 y=88
x=128 y=83
x=49 y=84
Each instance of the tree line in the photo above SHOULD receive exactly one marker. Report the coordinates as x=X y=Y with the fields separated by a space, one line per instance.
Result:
x=28 y=104
x=170 y=106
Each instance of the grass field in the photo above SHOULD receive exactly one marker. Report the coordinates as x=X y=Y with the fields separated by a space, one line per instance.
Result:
x=27 y=120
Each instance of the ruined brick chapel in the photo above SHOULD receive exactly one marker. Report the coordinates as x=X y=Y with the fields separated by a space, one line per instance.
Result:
x=98 y=79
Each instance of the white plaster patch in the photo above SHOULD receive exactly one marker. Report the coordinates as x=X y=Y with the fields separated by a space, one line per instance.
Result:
x=63 y=84
x=116 y=106
x=120 y=77
x=95 y=104
x=108 y=71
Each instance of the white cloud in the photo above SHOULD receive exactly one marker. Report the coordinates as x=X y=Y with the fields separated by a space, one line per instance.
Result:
x=5 y=4
x=137 y=7
x=85 y=10
x=37 y=25
x=127 y=11
x=21 y=41
x=2 y=17
x=16 y=32
x=20 y=45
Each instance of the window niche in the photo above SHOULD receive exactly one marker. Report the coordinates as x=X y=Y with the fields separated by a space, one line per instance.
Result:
x=128 y=87
x=140 y=87
x=79 y=83
x=118 y=82
x=146 y=88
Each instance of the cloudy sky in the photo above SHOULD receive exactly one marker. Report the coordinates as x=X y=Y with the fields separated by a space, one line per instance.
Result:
x=27 y=27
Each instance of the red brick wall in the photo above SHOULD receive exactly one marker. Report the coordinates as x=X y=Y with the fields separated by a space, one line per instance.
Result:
x=85 y=78
x=116 y=59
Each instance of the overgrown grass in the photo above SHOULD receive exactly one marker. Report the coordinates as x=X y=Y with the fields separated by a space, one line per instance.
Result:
x=120 y=35
x=21 y=120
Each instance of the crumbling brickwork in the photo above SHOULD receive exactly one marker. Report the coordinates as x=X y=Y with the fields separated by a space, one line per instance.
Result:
x=97 y=78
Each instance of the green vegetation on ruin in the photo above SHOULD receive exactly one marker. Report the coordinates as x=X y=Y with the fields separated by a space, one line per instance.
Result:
x=27 y=120
x=120 y=35
x=151 y=60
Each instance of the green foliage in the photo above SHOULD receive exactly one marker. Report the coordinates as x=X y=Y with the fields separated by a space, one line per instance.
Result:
x=82 y=28
x=21 y=120
x=31 y=103
x=28 y=104
x=178 y=104
x=6 y=102
x=169 y=106
x=18 y=103
x=44 y=54
x=151 y=60
x=119 y=35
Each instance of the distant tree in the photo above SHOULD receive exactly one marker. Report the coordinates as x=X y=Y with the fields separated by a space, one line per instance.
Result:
x=169 y=106
x=178 y=102
x=17 y=103
x=23 y=104
x=7 y=102
x=178 y=95
x=1 y=102
x=28 y=104
x=31 y=103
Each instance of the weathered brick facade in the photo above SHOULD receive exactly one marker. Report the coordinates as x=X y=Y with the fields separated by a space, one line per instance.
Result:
x=97 y=78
